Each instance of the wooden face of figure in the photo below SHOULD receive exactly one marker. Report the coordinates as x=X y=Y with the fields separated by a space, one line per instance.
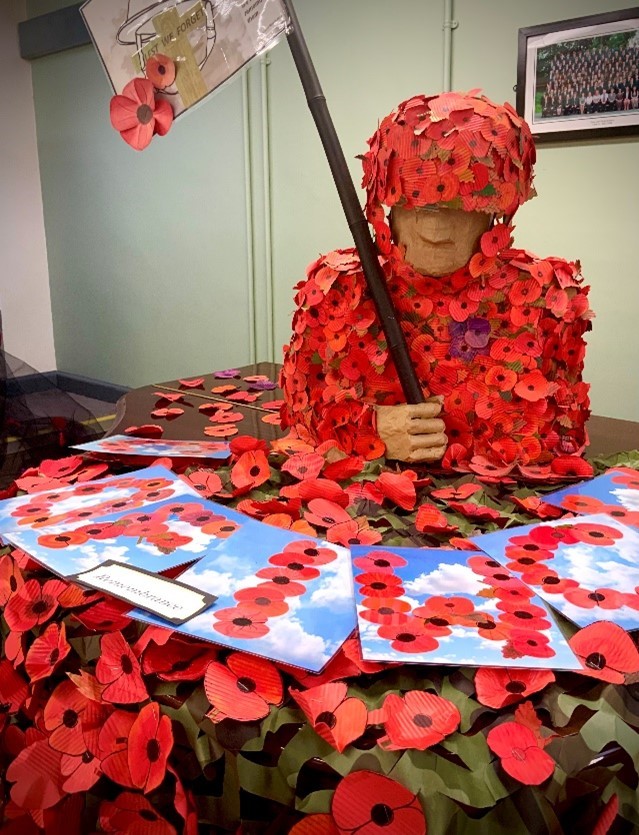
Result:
x=438 y=241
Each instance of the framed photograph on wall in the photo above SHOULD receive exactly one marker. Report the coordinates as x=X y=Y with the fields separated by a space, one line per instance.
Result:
x=579 y=78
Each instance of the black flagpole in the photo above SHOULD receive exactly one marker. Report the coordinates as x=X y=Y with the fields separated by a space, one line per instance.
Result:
x=357 y=222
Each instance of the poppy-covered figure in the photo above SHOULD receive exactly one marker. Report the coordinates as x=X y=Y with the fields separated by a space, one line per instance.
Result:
x=495 y=333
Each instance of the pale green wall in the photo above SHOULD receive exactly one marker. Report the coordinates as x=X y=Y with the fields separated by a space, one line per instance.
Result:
x=147 y=252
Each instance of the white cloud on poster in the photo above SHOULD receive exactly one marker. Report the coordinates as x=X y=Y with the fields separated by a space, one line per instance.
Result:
x=627 y=498
x=446 y=579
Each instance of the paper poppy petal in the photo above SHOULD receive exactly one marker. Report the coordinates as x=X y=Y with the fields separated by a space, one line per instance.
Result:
x=605 y=651
x=364 y=799
x=150 y=743
x=163 y=117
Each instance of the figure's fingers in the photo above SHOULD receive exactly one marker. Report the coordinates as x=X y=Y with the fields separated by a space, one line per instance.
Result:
x=425 y=455
x=424 y=410
x=419 y=426
x=435 y=398
x=428 y=441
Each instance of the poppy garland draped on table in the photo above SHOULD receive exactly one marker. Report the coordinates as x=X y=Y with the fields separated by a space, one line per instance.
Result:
x=108 y=726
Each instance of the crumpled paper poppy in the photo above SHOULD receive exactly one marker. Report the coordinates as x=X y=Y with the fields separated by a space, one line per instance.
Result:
x=366 y=803
x=132 y=813
x=337 y=718
x=605 y=651
x=244 y=689
x=521 y=753
x=149 y=746
x=418 y=720
x=137 y=115
x=119 y=669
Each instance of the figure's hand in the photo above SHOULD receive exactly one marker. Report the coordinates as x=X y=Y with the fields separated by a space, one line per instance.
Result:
x=413 y=433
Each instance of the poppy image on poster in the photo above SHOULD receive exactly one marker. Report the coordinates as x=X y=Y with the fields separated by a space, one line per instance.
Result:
x=615 y=493
x=429 y=605
x=586 y=567
x=125 y=445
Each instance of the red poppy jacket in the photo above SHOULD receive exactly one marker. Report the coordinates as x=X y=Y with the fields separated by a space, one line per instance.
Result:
x=500 y=339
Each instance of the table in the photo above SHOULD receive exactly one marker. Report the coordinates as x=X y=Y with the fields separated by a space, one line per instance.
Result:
x=277 y=774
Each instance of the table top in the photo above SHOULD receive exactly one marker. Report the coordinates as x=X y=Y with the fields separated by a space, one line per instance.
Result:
x=607 y=435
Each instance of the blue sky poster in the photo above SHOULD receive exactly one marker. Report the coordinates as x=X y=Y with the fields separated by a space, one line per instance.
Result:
x=437 y=606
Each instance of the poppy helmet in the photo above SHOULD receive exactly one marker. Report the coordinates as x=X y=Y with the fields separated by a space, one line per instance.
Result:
x=454 y=151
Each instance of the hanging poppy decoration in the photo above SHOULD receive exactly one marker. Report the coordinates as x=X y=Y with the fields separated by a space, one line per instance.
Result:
x=137 y=115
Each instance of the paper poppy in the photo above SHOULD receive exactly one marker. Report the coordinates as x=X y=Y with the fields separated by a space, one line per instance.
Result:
x=177 y=660
x=530 y=642
x=35 y=773
x=241 y=622
x=605 y=651
x=379 y=561
x=137 y=115
x=160 y=70
x=497 y=687
x=323 y=513
x=337 y=718
x=431 y=519
x=113 y=745
x=244 y=689
x=10 y=578
x=319 y=824
x=387 y=611
x=132 y=813
x=304 y=465
x=269 y=604
x=366 y=803
x=600 y=598
x=60 y=467
x=150 y=743
x=13 y=688
x=310 y=553
x=33 y=604
x=46 y=652
x=379 y=584
x=80 y=772
x=250 y=470
x=520 y=754
x=418 y=720
x=119 y=669
x=591 y=534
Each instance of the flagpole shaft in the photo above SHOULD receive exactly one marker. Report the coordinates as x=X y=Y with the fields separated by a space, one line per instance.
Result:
x=357 y=222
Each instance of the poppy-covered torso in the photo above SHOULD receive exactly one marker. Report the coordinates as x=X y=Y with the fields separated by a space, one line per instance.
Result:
x=501 y=340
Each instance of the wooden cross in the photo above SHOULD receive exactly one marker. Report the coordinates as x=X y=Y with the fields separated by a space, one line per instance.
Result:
x=173 y=30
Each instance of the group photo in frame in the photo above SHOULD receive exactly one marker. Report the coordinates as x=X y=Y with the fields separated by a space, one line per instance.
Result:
x=579 y=78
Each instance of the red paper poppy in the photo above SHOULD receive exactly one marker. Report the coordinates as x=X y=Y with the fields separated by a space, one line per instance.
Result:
x=520 y=753
x=419 y=720
x=571 y=466
x=530 y=642
x=308 y=552
x=36 y=775
x=386 y=611
x=33 y=604
x=81 y=772
x=523 y=615
x=250 y=470
x=244 y=689
x=63 y=540
x=11 y=578
x=150 y=743
x=119 y=669
x=431 y=519
x=113 y=745
x=242 y=622
x=336 y=718
x=552 y=536
x=304 y=465
x=324 y=514
x=295 y=569
x=222 y=529
x=500 y=686
x=451 y=607
x=366 y=803
x=13 y=688
x=105 y=616
x=46 y=652
x=137 y=115
x=132 y=813
x=315 y=825
x=597 y=598
x=605 y=651
x=61 y=467
x=160 y=70
x=177 y=660
x=411 y=636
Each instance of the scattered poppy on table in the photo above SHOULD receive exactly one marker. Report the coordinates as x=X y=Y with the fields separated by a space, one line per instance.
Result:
x=113 y=745
x=132 y=813
x=195 y=383
x=170 y=396
x=418 y=720
x=243 y=397
x=137 y=115
x=222 y=431
x=228 y=374
x=148 y=430
x=243 y=689
x=497 y=687
x=170 y=413
x=605 y=651
x=33 y=604
x=150 y=743
x=336 y=717
x=46 y=652
x=366 y=803
x=521 y=753
x=119 y=669
x=60 y=467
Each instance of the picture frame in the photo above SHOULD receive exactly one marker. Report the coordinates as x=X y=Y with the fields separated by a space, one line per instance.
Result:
x=578 y=79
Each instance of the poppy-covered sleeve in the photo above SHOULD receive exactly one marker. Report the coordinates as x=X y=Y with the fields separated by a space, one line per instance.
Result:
x=335 y=367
